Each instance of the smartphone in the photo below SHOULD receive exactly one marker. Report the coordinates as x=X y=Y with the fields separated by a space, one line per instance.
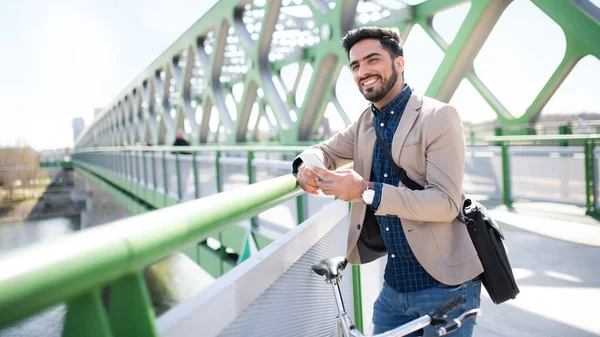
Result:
x=312 y=160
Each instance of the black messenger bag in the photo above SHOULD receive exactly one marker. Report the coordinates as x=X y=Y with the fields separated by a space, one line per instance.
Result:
x=497 y=276
x=487 y=238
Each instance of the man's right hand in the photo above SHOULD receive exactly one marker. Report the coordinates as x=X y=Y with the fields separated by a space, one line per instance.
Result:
x=307 y=180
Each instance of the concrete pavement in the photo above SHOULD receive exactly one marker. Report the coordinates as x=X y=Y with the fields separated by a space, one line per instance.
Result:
x=555 y=254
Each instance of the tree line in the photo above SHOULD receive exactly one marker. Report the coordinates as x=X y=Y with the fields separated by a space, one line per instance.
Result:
x=19 y=170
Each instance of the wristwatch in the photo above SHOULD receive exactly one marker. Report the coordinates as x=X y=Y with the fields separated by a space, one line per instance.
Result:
x=368 y=194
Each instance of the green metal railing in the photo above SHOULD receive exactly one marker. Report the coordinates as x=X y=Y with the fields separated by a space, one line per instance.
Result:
x=588 y=141
x=150 y=195
x=66 y=164
x=75 y=268
x=144 y=195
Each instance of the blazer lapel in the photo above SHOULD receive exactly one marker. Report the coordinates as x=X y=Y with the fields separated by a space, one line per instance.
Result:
x=368 y=145
x=411 y=112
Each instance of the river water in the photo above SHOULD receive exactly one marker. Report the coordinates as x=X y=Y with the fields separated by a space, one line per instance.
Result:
x=49 y=322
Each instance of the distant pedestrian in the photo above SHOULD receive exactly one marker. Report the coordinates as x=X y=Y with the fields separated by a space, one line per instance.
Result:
x=180 y=141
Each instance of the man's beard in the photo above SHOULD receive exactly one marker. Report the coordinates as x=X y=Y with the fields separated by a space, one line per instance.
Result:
x=378 y=93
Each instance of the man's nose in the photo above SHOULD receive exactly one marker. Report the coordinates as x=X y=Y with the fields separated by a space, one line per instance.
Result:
x=363 y=74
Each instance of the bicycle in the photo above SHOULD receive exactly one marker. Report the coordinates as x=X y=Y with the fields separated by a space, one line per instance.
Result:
x=331 y=268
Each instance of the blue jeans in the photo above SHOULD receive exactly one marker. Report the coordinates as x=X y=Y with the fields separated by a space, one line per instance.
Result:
x=392 y=309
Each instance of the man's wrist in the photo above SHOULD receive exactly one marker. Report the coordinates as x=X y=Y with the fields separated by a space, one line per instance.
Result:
x=378 y=187
x=367 y=193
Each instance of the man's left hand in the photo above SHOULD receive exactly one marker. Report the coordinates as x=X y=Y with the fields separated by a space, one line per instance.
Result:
x=345 y=184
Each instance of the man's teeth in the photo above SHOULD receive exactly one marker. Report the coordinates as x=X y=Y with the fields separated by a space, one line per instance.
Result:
x=370 y=81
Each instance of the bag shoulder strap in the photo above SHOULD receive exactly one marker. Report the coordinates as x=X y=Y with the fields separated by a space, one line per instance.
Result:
x=400 y=172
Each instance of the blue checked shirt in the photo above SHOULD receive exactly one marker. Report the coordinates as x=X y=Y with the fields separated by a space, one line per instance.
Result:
x=403 y=272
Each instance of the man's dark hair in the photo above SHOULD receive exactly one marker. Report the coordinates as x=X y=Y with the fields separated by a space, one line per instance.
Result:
x=388 y=38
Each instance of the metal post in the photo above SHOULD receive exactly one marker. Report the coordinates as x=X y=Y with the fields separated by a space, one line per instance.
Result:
x=196 y=183
x=222 y=252
x=131 y=183
x=590 y=181
x=250 y=171
x=249 y=168
x=137 y=171
x=165 y=183
x=301 y=212
x=179 y=194
x=564 y=130
x=153 y=171
x=506 y=189
x=357 y=291
x=218 y=172
x=145 y=170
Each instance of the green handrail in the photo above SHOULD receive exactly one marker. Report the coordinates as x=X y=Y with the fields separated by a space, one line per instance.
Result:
x=207 y=148
x=44 y=274
x=541 y=138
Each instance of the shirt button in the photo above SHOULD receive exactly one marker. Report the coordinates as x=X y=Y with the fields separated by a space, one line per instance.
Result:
x=385 y=175
x=392 y=112
x=393 y=256
x=358 y=227
x=381 y=124
x=387 y=229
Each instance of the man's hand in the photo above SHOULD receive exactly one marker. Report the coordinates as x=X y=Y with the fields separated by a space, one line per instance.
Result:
x=345 y=184
x=307 y=180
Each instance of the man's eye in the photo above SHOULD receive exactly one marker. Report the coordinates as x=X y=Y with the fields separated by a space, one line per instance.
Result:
x=373 y=60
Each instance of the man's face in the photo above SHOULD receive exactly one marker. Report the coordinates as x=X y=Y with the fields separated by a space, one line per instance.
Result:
x=374 y=71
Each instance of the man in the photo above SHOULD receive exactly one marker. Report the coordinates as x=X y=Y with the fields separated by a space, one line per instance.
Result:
x=430 y=256
x=180 y=141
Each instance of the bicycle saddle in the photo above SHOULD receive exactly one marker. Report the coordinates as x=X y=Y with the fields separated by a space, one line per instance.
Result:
x=331 y=267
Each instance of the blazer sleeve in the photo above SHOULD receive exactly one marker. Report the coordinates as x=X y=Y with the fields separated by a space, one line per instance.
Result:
x=444 y=173
x=336 y=151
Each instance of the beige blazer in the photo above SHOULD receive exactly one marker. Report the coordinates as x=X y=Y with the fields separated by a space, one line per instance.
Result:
x=429 y=144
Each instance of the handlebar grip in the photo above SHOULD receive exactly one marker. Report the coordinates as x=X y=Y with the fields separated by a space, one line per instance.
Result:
x=447 y=307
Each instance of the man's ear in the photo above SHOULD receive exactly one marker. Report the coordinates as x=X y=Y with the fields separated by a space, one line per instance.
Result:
x=399 y=63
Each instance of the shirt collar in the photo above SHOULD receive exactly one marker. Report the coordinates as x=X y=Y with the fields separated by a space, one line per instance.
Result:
x=396 y=101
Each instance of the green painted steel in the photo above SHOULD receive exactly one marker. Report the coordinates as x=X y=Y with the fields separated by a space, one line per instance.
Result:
x=153 y=170
x=86 y=317
x=247 y=44
x=543 y=138
x=131 y=202
x=130 y=308
x=231 y=237
x=178 y=173
x=250 y=170
x=42 y=275
x=66 y=164
x=241 y=44
x=590 y=169
x=506 y=189
x=218 y=172
x=460 y=54
x=196 y=180
x=357 y=290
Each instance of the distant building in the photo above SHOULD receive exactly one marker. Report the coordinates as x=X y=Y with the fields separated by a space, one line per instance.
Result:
x=78 y=126
x=97 y=112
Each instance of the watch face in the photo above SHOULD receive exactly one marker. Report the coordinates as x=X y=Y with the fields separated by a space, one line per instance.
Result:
x=368 y=196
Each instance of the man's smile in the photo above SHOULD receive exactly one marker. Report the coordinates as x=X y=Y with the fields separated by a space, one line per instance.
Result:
x=370 y=81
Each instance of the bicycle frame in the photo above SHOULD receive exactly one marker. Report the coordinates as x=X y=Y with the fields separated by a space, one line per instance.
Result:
x=331 y=268
x=347 y=329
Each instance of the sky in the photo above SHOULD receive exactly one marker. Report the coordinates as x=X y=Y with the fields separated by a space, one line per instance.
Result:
x=62 y=59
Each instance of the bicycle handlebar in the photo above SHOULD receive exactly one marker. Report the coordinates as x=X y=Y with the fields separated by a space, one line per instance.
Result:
x=447 y=307
x=456 y=323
